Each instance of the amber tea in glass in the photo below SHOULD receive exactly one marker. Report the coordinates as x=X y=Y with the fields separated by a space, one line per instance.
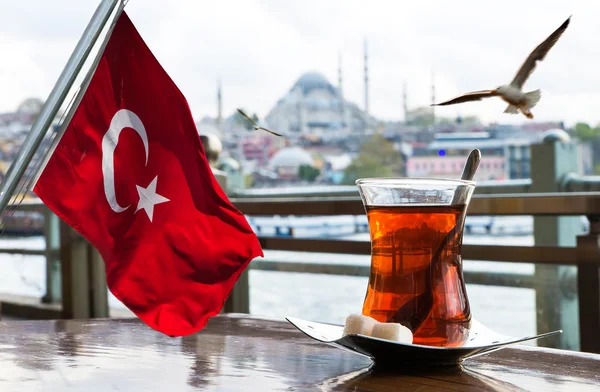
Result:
x=416 y=277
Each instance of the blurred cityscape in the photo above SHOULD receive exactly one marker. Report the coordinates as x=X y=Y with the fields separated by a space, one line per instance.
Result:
x=331 y=141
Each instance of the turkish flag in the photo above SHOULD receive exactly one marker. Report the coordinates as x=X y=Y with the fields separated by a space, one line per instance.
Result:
x=130 y=175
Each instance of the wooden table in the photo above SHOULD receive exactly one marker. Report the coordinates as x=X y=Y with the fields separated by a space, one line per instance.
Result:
x=241 y=353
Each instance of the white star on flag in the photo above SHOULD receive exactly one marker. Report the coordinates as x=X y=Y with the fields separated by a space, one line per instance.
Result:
x=149 y=198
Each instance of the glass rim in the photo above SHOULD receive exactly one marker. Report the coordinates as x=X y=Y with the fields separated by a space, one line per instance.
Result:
x=395 y=181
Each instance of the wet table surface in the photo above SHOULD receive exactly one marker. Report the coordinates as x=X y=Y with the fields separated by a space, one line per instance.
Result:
x=241 y=353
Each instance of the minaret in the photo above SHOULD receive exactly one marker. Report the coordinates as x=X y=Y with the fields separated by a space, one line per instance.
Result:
x=341 y=90
x=366 y=80
x=340 y=74
x=219 y=105
x=405 y=101
x=432 y=97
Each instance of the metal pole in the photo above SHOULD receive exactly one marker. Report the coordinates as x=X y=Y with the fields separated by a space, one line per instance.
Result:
x=43 y=161
x=556 y=308
x=55 y=100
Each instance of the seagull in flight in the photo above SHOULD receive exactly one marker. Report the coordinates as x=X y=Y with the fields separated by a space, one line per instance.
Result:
x=512 y=93
x=255 y=125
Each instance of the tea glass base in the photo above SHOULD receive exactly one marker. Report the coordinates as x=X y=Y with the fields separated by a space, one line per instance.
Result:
x=389 y=354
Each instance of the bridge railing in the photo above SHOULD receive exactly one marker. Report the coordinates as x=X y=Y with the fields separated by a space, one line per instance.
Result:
x=75 y=274
x=584 y=256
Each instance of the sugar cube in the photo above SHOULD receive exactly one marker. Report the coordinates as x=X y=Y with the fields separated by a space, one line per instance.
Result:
x=392 y=331
x=359 y=324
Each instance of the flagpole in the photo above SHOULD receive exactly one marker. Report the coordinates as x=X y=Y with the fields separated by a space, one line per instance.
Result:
x=55 y=99
x=66 y=120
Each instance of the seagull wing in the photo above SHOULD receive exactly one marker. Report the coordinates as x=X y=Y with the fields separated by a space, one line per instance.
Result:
x=267 y=130
x=538 y=54
x=240 y=111
x=473 y=96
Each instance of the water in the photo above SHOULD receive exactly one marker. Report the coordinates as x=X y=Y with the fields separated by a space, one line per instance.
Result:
x=20 y=274
x=325 y=298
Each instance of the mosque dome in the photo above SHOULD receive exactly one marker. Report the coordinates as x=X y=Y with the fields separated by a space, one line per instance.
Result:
x=229 y=165
x=555 y=135
x=290 y=157
x=31 y=106
x=314 y=81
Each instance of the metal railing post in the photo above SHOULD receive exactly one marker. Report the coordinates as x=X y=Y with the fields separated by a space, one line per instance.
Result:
x=85 y=294
x=239 y=299
x=555 y=309
x=52 y=247
x=98 y=289
x=74 y=271
x=588 y=287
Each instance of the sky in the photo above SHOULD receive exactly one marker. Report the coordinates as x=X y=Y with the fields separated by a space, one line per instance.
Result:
x=260 y=48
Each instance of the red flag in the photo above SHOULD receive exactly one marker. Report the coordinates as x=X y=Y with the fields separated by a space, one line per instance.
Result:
x=131 y=176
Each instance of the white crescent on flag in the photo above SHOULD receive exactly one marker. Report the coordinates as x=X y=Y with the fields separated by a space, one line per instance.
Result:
x=148 y=197
x=122 y=119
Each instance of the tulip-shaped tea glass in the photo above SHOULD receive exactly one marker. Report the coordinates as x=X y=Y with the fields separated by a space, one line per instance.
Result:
x=416 y=279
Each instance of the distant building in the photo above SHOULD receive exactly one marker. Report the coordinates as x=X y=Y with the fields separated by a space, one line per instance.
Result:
x=586 y=159
x=445 y=157
x=235 y=176
x=258 y=147
x=313 y=106
x=334 y=166
x=287 y=161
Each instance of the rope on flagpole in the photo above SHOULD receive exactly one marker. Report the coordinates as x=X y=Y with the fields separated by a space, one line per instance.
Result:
x=57 y=96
